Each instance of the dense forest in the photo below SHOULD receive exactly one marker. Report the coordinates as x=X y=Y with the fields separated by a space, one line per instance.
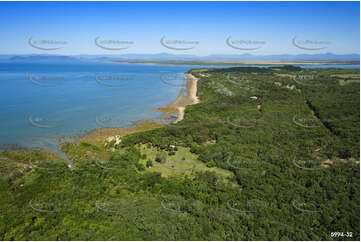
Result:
x=267 y=154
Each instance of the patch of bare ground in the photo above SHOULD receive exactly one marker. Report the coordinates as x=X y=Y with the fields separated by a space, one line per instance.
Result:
x=327 y=163
x=210 y=142
x=101 y=134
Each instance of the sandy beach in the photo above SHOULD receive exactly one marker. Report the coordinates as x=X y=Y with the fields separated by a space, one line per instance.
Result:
x=192 y=82
x=192 y=95
x=177 y=107
x=179 y=104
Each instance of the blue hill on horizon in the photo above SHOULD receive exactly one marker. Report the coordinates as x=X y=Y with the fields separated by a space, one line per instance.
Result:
x=184 y=57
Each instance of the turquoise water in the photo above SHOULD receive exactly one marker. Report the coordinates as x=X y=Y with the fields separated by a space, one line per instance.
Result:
x=40 y=102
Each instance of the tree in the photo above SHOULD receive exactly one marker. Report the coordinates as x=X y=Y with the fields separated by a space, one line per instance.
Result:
x=140 y=167
x=149 y=163
x=161 y=157
x=211 y=164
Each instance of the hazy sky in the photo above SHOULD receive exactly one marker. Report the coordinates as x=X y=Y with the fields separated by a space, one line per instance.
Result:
x=270 y=26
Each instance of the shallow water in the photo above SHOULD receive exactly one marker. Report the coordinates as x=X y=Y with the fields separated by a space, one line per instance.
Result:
x=40 y=102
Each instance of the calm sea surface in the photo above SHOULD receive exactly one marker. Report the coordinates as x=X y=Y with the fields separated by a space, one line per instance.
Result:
x=40 y=102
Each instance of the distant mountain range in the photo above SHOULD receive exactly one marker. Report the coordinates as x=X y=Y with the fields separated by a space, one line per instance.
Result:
x=162 y=57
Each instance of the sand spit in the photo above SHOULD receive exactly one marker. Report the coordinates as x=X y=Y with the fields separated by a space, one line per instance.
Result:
x=177 y=107
x=179 y=104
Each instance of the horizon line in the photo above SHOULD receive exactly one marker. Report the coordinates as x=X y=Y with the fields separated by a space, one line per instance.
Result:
x=158 y=53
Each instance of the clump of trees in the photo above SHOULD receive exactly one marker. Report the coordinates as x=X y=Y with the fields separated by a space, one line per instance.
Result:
x=267 y=159
x=161 y=157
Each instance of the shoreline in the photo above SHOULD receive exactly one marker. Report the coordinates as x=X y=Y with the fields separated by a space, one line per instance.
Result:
x=179 y=104
x=237 y=63
x=192 y=94
x=177 y=107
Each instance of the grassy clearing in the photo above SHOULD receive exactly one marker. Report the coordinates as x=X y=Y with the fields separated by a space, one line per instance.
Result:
x=348 y=81
x=346 y=76
x=284 y=75
x=200 y=70
x=181 y=164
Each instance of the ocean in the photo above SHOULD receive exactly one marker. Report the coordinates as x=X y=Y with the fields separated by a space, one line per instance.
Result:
x=40 y=102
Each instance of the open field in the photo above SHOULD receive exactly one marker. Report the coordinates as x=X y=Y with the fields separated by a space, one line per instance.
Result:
x=182 y=163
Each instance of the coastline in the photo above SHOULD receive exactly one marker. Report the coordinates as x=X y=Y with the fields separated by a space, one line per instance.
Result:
x=237 y=63
x=192 y=94
x=179 y=104
x=177 y=107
